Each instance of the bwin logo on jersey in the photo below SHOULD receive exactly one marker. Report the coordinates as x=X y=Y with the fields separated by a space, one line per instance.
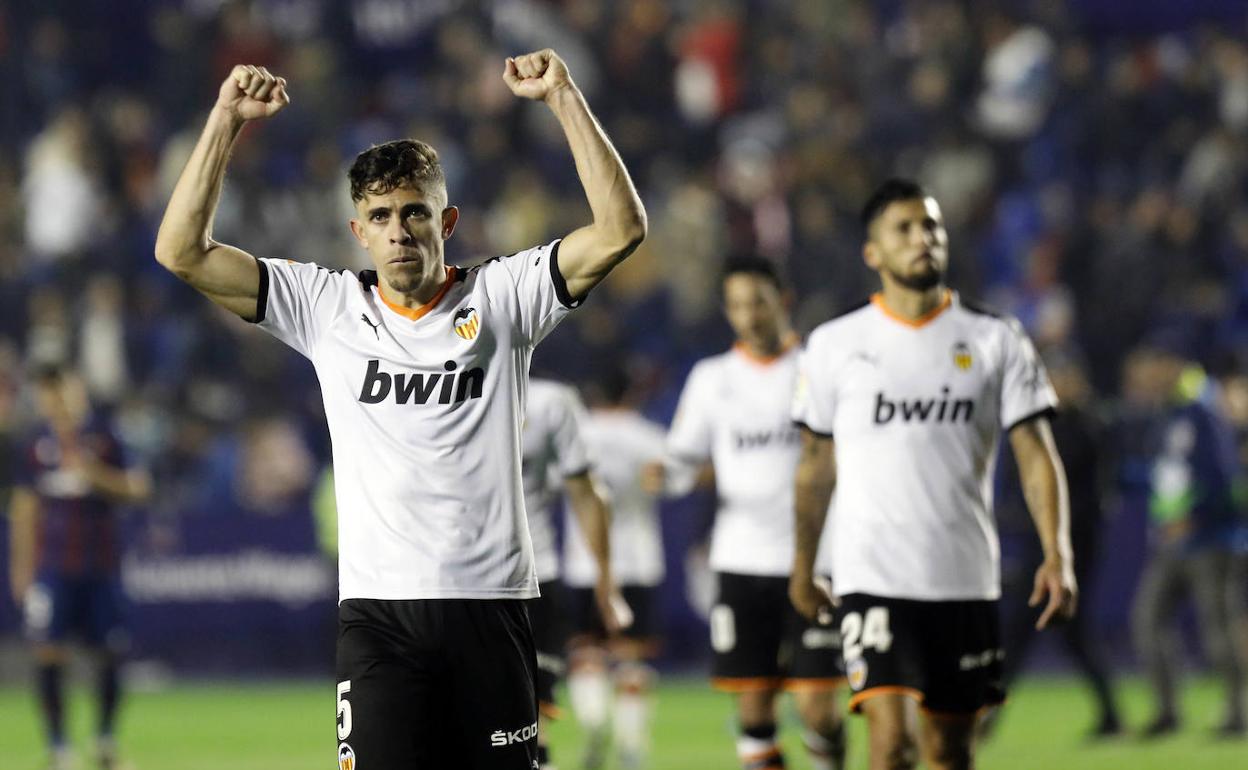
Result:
x=419 y=387
x=346 y=757
x=924 y=409
x=467 y=323
x=962 y=356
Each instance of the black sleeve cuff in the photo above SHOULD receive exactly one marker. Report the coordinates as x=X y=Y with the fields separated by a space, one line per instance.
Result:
x=262 y=292
x=804 y=426
x=561 y=285
x=1047 y=411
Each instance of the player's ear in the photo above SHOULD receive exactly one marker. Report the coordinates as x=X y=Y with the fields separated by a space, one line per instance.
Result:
x=871 y=255
x=357 y=229
x=450 y=215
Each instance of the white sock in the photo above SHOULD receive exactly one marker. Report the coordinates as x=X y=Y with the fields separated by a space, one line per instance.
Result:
x=634 y=682
x=819 y=749
x=755 y=752
x=589 y=694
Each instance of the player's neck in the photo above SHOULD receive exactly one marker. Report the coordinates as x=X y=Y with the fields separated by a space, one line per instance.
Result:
x=913 y=304
x=429 y=290
x=769 y=349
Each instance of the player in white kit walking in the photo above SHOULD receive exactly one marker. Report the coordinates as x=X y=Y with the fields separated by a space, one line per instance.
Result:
x=622 y=444
x=556 y=460
x=735 y=412
x=901 y=403
x=423 y=370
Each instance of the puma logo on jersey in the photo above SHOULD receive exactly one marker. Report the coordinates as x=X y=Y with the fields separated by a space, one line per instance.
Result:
x=420 y=388
x=467 y=322
x=364 y=318
x=760 y=439
x=923 y=409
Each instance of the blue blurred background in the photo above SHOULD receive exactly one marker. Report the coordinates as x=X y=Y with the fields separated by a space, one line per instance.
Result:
x=1089 y=157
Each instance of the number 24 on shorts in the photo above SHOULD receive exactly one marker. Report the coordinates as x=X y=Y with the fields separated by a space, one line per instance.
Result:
x=867 y=631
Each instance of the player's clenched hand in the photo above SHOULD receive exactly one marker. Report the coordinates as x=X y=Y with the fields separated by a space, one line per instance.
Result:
x=1055 y=582
x=252 y=92
x=536 y=75
x=615 y=612
x=811 y=599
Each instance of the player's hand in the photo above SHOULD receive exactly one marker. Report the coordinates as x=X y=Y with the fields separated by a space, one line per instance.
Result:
x=614 y=611
x=811 y=599
x=1055 y=588
x=250 y=93
x=538 y=75
x=653 y=478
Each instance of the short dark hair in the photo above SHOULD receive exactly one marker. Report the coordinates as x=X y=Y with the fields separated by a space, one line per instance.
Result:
x=763 y=268
x=383 y=167
x=893 y=190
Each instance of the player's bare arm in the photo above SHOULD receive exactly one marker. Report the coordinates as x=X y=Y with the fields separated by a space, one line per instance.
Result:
x=184 y=245
x=23 y=508
x=120 y=485
x=814 y=483
x=589 y=253
x=1044 y=487
x=594 y=516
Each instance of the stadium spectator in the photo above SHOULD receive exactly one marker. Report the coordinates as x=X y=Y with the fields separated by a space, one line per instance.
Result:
x=1194 y=527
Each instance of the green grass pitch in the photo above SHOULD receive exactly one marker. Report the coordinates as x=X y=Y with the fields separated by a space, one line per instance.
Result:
x=288 y=726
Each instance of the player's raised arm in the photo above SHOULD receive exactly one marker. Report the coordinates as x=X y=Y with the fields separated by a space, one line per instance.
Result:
x=1044 y=487
x=814 y=483
x=589 y=253
x=184 y=245
x=594 y=516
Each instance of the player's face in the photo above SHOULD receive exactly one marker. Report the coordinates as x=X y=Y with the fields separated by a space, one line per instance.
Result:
x=61 y=402
x=908 y=243
x=755 y=309
x=403 y=231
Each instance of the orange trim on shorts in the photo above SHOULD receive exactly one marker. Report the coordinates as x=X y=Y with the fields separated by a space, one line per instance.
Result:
x=814 y=684
x=746 y=683
x=855 y=702
x=549 y=710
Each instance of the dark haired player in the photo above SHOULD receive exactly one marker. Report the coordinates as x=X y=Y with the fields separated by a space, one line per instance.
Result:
x=423 y=370
x=734 y=412
x=72 y=478
x=901 y=403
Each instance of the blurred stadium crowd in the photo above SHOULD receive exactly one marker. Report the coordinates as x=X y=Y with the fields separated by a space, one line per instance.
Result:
x=1093 y=181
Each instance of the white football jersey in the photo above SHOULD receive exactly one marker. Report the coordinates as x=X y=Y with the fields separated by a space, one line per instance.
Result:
x=620 y=444
x=553 y=450
x=424 y=408
x=735 y=411
x=916 y=410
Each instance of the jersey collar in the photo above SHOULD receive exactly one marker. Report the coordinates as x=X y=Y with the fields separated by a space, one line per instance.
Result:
x=417 y=313
x=877 y=299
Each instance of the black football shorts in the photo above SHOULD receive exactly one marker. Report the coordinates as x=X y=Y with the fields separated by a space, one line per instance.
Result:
x=436 y=683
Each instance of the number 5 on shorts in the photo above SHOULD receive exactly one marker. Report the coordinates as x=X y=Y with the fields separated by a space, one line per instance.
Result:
x=864 y=633
x=344 y=710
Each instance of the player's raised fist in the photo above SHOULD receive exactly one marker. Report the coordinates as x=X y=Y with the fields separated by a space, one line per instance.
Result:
x=252 y=92
x=536 y=75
